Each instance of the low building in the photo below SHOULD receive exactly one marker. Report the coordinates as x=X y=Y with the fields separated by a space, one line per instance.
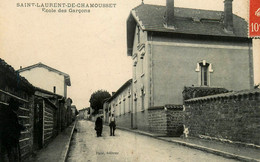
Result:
x=84 y=113
x=120 y=104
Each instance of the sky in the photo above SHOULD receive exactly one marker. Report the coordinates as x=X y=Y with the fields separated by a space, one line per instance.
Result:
x=90 y=47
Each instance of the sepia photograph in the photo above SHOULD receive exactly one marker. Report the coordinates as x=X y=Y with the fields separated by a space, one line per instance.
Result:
x=129 y=81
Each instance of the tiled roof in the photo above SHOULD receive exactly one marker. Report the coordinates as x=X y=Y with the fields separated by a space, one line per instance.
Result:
x=188 y=21
x=225 y=95
x=121 y=89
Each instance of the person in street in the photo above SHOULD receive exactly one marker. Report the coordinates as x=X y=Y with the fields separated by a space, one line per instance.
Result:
x=99 y=126
x=10 y=131
x=112 y=125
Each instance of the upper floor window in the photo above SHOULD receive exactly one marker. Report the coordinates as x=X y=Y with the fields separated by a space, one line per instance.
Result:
x=135 y=97
x=129 y=93
x=204 y=74
x=204 y=69
x=142 y=94
x=138 y=34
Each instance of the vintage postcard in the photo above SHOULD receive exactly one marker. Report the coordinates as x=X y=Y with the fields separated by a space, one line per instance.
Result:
x=138 y=80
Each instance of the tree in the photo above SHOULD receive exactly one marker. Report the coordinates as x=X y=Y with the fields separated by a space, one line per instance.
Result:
x=97 y=100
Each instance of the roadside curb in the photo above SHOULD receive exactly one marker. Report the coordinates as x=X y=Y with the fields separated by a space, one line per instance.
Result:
x=213 y=151
x=67 y=147
x=194 y=146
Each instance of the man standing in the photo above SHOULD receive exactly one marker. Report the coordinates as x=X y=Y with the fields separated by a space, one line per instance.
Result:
x=99 y=126
x=112 y=125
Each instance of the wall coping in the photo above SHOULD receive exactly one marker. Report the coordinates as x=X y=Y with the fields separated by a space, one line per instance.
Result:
x=156 y=108
x=167 y=107
x=243 y=93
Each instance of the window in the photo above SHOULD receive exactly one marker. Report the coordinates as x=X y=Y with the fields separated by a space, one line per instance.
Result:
x=135 y=97
x=138 y=34
x=142 y=94
x=204 y=74
x=204 y=69
x=134 y=71
x=129 y=106
x=120 y=107
x=124 y=106
x=134 y=64
x=142 y=66
x=129 y=93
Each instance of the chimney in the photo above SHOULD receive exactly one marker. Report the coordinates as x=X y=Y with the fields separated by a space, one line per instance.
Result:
x=169 y=15
x=228 y=16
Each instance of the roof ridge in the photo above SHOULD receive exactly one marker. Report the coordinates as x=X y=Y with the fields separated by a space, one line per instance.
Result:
x=41 y=64
x=199 y=9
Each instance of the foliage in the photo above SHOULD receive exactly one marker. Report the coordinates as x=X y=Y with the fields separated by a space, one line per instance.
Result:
x=97 y=100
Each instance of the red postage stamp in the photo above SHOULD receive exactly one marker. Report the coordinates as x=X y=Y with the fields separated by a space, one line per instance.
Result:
x=254 y=18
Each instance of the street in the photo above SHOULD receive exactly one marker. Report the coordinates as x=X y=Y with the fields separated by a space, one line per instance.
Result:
x=128 y=147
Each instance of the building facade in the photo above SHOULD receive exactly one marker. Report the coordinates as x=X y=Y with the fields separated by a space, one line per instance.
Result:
x=176 y=47
x=120 y=104
x=173 y=48
x=47 y=78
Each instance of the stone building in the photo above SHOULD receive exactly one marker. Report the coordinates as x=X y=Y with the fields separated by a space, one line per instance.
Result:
x=173 y=48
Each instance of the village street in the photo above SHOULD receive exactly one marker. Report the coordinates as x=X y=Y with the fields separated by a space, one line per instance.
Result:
x=128 y=146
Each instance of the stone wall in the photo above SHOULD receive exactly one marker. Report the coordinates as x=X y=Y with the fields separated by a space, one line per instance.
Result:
x=158 y=120
x=233 y=116
x=166 y=120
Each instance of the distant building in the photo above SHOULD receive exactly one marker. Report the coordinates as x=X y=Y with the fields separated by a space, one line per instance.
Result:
x=84 y=113
x=47 y=78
